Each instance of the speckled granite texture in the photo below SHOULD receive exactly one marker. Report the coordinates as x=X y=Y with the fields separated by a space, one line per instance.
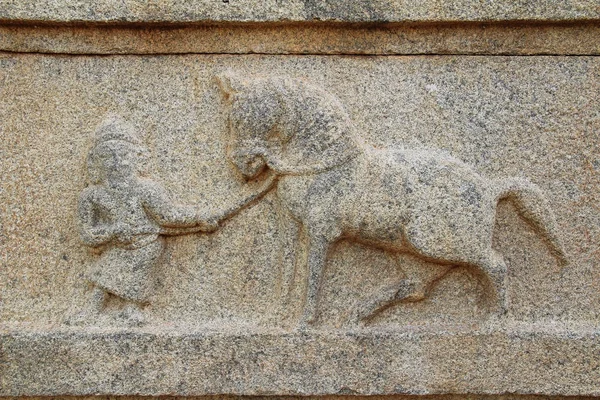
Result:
x=240 y=290
x=375 y=11
x=335 y=397
x=307 y=38
x=300 y=198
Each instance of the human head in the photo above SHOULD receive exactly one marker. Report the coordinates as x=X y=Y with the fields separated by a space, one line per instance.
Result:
x=117 y=153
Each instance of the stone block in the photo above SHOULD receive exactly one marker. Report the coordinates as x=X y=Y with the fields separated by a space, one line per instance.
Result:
x=330 y=217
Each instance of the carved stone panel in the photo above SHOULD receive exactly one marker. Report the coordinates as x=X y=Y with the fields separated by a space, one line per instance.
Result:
x=295 y=224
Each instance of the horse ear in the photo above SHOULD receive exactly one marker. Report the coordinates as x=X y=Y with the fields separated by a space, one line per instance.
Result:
x=229 y=83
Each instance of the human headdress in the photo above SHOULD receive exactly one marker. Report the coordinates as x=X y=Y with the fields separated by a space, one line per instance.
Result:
x=112 y=131
x=116 y=128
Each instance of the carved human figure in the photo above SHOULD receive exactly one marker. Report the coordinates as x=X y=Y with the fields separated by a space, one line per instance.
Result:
x=418 y=201
x=124 y=214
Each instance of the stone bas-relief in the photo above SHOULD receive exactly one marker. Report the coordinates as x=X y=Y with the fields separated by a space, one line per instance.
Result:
x=406 y=233
x=225 y=310
x=123 y=217
x=417 y=201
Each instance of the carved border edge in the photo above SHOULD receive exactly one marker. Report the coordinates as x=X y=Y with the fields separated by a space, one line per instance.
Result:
x=78 y=363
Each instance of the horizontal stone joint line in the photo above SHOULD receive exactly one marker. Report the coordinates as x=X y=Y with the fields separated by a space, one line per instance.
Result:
x=162 y=54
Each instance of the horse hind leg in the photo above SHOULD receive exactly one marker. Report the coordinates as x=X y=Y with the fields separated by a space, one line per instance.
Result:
x=382 y=299
x=418 y=282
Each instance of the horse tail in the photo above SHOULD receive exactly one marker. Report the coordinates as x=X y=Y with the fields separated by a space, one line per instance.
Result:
x=532 y=205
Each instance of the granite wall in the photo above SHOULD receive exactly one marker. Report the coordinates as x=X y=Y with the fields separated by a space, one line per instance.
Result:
x=227 y=198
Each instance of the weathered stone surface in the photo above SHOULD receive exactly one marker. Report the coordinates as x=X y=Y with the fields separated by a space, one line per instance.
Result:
x=360 y=207
x=375 y=263
x=295 y=10
x=336 y=397
x=148 y=362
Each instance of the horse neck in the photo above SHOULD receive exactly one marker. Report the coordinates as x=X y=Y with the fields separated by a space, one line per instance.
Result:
x=333 y=154
x=294 y=191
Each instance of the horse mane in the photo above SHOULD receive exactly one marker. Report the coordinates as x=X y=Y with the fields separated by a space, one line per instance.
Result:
x=308 y=109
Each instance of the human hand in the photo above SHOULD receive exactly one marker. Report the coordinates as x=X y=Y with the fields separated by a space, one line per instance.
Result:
x=208 y=223
x=267 y=180
x=211 y=225
x=122 y=232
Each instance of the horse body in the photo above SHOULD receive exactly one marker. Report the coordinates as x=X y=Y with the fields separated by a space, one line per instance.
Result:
x=391 y=198
x=419 y=201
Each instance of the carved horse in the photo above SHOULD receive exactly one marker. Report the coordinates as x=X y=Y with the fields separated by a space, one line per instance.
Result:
x=417 y=201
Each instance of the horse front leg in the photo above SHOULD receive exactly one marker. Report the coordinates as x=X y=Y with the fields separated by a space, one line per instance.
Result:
x=317 y=254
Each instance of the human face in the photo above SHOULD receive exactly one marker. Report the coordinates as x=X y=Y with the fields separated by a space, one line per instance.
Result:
x=119 y=160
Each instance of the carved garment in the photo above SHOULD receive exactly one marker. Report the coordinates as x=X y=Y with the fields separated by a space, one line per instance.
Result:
x=128 y=271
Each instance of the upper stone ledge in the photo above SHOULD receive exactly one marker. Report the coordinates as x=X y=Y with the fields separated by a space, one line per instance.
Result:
x=363 y=11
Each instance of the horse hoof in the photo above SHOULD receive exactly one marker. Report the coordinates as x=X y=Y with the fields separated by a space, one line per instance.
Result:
x=132 y=316
x=416 y=296
x=411 y=292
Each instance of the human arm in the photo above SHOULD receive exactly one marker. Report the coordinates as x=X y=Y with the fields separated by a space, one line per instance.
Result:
x=260 y=191
x=172 y=217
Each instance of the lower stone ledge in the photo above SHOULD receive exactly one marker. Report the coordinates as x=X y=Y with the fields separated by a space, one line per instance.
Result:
x=143 y=362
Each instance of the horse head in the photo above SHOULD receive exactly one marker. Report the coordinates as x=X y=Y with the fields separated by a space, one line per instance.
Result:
x=287 y=125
